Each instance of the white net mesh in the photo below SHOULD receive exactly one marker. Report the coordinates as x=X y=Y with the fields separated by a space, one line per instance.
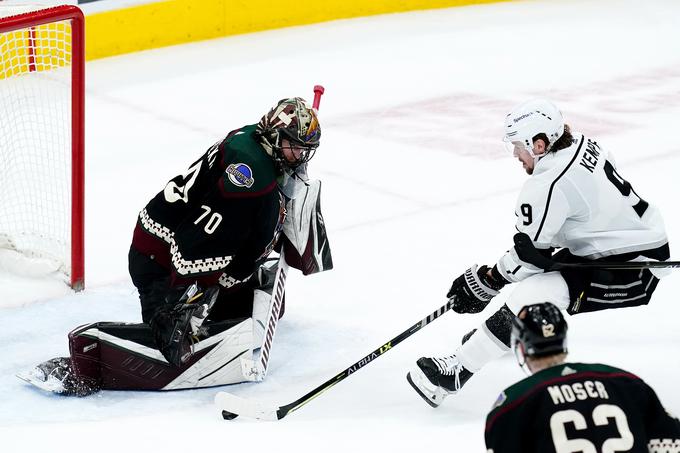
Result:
x=35 y=141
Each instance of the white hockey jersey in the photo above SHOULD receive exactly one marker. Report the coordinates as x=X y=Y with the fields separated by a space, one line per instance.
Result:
x=577 y=200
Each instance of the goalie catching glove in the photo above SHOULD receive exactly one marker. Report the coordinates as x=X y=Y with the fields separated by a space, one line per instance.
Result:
x=175 y=325
x=472 y=291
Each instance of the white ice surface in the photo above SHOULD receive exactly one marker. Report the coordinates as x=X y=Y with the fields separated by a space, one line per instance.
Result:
x=416 y=188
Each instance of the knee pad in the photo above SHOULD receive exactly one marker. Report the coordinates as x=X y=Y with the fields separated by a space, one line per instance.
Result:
x=500 y=325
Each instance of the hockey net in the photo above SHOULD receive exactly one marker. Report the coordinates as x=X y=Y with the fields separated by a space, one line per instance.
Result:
x=41 y=140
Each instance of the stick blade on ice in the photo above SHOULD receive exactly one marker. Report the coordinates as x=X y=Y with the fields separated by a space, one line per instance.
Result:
x=233 y=406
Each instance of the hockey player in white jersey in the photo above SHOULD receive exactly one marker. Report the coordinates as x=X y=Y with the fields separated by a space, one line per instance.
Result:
x=574 y=200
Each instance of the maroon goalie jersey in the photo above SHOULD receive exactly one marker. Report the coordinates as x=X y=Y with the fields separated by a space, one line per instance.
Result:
x=577 y=407
x=219 y=220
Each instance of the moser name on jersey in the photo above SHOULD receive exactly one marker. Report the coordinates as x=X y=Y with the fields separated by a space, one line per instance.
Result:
x=568 y=393
x=590 y=156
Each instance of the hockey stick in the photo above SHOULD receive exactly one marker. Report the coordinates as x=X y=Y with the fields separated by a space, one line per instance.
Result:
x=232 y=406
x=278 y=293
x=528 y=253
x=256 y=370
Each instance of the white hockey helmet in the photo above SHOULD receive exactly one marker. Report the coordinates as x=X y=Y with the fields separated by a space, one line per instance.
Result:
x=529 y=119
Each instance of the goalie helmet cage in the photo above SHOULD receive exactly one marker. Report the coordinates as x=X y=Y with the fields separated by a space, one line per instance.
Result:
x=42 y=64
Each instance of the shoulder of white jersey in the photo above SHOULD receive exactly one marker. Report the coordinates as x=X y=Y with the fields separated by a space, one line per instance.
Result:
x=610 y=157
x=534 y=192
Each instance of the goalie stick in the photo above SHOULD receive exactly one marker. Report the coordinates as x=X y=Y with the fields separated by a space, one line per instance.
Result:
x=256 y=369
x=528 y=253
x=232 y=406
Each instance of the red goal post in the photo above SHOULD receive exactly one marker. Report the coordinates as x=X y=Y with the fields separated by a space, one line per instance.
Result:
x=42 y=65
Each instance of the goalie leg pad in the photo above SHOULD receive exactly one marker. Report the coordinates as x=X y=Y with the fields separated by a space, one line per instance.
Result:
x=120 y=356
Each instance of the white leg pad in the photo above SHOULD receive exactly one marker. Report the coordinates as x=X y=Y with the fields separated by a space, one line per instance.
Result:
x=222 y=365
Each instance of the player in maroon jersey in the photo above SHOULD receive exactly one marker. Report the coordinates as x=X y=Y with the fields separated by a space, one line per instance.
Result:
x=217 y=222
x=569 y=407
x=198 y=260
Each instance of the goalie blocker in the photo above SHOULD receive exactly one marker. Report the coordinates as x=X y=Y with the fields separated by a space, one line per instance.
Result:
x=123 y=356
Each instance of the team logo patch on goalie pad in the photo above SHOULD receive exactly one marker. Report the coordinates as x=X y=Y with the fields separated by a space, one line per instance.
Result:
x=240 y=175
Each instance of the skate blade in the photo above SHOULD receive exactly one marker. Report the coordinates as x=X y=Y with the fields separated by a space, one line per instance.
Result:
x=419 y=392
x=51 y=385
x=433 y=395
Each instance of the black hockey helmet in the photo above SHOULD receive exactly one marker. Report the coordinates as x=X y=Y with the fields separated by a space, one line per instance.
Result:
x=292 y=119
x=539 y=330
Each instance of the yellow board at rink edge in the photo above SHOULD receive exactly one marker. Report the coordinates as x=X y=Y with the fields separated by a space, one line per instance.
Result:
x=170 y=22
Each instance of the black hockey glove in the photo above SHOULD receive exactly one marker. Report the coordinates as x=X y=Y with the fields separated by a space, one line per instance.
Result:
x=472 y=291
x=175 y=324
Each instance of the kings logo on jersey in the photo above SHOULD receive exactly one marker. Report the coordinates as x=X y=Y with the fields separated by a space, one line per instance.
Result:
x=240 y=175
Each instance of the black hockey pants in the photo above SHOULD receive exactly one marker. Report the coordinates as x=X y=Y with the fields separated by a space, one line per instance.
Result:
x=153 y=283
x=600 y=289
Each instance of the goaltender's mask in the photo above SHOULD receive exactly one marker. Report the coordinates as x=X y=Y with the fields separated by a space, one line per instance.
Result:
x=290 y=134
x=295 y=121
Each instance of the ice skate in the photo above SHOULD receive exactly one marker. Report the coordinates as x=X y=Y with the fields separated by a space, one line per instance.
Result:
x=56 y=376
x=436 y=378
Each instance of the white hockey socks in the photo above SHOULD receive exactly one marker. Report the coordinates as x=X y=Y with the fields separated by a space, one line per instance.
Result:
x=481 y=348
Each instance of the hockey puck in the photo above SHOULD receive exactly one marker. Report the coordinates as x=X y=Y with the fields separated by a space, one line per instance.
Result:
x=228 y=415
